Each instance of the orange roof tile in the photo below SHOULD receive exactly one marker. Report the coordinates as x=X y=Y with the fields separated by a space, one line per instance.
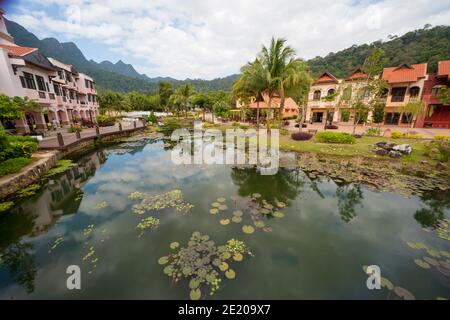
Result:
x=405 y=73
x=357 y=74
x=17 y=51
x=444 y=68
x=289 y=103
x=327 y=77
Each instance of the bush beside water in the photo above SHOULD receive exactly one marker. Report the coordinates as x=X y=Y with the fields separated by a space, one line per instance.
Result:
x=335 y=137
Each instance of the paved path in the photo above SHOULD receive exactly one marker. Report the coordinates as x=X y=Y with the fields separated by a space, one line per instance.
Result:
x=51 y=142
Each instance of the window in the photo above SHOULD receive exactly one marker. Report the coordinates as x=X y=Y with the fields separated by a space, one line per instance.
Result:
x=414 y=92
x=71 y=95
x=316 y=95
x=40 y=83
x=435 y=90
x=89 y=97
x=406 y=118
x=398 y=94
x=22 y=81
x=86 y=83
x=29 y=80
x=56 y=89
x=331 y=92
x=61 y=74
x=68 y=76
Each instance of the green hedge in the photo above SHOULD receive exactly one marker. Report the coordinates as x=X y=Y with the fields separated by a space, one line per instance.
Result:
x=335 y=137
x=13 y=165
x=16 y=146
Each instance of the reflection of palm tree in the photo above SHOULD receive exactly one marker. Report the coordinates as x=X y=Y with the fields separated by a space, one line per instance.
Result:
x=282 y=186
x=20 y=264
x=348 y=197
x=437 y=202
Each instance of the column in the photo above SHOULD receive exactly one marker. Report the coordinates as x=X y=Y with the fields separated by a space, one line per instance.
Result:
x=22 y=126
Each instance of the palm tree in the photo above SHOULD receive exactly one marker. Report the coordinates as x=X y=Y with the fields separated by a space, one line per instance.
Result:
x=182 y=94
x=284 y=72
x=252 y=83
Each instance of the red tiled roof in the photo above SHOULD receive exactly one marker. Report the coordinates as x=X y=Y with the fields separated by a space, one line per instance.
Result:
x=289 y=103
x=444 y=68
x=17 y=51
x=357 y=74
x=405 y=73
x=327 y=77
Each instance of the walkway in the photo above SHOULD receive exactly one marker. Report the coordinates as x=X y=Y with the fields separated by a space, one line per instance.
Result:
x=51 y=142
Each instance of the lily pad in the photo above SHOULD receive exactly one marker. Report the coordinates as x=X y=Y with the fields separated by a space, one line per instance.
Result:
x=264 y=211
x=223 y=266
x=385 y=283
x=238 y=257
x=224 y=222
x=230 y=274
x=422 y=264
x=400 y=293
x=280 y=204
x=195 y=294
x=260 y=224
x=267 y=229
x=216 y=204
x=278 y=214
x=163 y=260
x=214 y=211
x=431 y=261
x=434 y=253
x=256 y=195
x=248 y=229
x=174 y=245
x=168 y=270
x=445 y=264
x=194 y=284
x=237 y=213
x=223 y=207
x=236 y=219
x=221 y=199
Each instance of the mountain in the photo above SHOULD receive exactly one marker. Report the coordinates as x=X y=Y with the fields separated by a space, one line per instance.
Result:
x=424 y=45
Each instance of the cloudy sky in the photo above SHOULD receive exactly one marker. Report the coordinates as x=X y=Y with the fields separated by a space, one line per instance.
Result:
x=213 y=38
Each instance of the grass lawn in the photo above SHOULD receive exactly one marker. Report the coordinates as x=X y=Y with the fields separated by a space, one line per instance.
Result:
x=362 y=147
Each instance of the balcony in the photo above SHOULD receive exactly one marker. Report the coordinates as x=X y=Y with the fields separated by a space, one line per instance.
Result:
x=42 y=95
x=51 y=96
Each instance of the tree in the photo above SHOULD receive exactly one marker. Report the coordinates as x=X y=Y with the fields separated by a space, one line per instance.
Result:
x=251 y=85
x=444 y=95
x=165 y=90
x=221 y=109
x=111 y=101
x=283 y=71
x=202 y=101
x=181 y=97
x=14 y=108
x=411 y=110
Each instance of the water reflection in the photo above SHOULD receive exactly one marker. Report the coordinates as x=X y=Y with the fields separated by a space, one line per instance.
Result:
x=18 y=259
x=349 y=196
x=436 y=202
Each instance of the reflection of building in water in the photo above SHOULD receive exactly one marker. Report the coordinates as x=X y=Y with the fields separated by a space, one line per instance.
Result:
x=63 y=195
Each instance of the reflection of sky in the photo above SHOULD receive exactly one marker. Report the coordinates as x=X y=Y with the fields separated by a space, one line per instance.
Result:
x=311 y=253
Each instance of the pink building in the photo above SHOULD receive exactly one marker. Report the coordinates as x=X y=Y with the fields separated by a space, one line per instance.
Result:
x=64 y=94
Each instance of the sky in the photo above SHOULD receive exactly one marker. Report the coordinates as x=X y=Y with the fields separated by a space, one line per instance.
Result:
x=213 y=38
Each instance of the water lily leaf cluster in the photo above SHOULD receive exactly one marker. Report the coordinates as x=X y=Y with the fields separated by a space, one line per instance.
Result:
x=395 y=292
x=56 y=243
x=147 y=223
x=443 y=230
x=203 y=263
x=170 y=199
x=438 y=259
x=101 y=205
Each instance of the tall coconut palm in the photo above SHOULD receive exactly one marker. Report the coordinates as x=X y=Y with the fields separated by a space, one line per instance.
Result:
x=284 y=72
x=182 y=94
x=252 y=83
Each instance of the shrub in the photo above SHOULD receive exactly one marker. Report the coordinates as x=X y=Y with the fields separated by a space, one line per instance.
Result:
x=284 y=132
x=412 y=135
x=441 y=137
x=396 y=135
x=13 y=165
x=152 y=118
x=243 y=127
x=335 y=137
x=439 y=150
x=105 y=121
x=375 y=131
x=345 y=116
x=16 y=147
x=331 y=126
x=208 y=125
x=301 y=136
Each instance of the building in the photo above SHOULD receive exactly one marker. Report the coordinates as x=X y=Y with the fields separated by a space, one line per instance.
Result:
x=266 y=109
x=405 y=84
x=436 y=114
x=64 y=94
x=325 y=101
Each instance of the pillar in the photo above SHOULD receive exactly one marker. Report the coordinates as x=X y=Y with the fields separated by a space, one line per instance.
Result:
x=40 y=121
x=22 y=126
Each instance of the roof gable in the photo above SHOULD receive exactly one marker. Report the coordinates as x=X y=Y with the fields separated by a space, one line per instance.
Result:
x=443 y=68
x=17 y=51
x=356 y=74
x=327 y=77
x=405 y=73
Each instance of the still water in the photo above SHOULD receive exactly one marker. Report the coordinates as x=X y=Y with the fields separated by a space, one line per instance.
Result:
x=315 y=249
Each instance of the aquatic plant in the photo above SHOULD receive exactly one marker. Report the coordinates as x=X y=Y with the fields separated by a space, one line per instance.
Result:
x=147 y=223
x=6 y=205
x=28 y=191
x=56 y=243
x=101 y=205
x=203 y=263
x=61 y=166
x=170 y=199
x=88 y=230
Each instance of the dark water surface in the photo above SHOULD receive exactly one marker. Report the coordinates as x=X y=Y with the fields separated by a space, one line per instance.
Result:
x=316 y=251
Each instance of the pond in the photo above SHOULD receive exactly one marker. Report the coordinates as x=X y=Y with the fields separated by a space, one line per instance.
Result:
x=140 y=227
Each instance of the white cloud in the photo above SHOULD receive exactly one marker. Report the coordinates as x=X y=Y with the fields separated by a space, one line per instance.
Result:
x=207 y=39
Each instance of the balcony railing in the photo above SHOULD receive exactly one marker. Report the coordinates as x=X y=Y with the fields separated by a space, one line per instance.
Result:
x=397 y=98
x=42 y=95
x=51 y=96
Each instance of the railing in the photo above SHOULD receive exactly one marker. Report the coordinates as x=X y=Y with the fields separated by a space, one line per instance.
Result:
x=397 y=98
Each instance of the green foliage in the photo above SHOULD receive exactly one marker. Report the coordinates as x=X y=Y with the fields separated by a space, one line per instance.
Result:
x=444 y=95
x=14 y=108
x=345 y=115
x=15 y=146
x=152 y=118
x=335 y=137
x=13 y=165
x=439 y=149
x=375 y=131
x=407 y=135
x=396 y=135
x=419 y=46
x=5 y=206
x=104 y=120
x=221 y=108
x=165 y=90
x=61 y=166
x=378 y=113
